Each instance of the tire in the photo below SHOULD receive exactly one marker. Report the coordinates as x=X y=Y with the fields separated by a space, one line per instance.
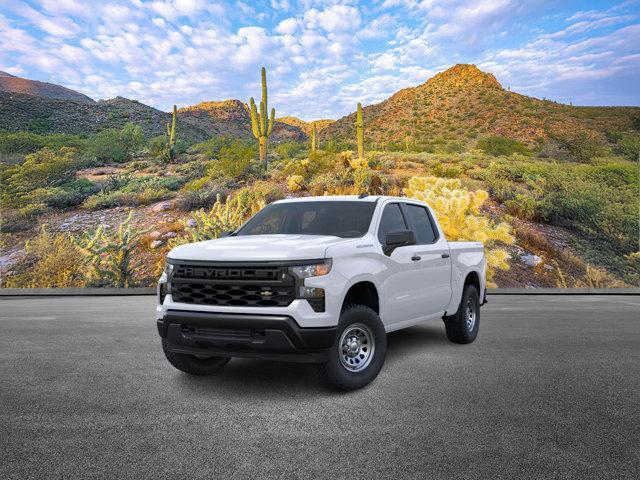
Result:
x=193 y=365
x=462 y=327
x=361 y=330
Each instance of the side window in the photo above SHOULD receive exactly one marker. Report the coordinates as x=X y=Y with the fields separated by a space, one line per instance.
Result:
x=391 y=220
x=419 y=218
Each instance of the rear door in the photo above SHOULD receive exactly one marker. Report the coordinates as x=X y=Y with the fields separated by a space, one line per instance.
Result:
x=401 y=287
x=431 y=257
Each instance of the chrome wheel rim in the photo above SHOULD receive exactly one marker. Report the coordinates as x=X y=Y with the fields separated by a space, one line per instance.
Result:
x=356 y=347
x=470 y=315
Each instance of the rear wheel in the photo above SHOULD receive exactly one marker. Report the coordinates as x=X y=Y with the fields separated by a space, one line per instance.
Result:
x=194 y=365
x=462 y=327
x=357 y=354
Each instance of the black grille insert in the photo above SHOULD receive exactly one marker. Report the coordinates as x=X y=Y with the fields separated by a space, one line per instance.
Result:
x=247 y=286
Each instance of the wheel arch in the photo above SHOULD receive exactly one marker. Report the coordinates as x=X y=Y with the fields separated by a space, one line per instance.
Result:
x=473 y=277
x=363 y=292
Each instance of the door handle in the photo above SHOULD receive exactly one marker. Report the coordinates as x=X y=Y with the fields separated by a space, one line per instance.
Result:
x=416 y=258
x=445 y=255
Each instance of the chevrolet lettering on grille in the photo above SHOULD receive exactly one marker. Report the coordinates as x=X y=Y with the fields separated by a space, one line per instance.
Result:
x=188 y=271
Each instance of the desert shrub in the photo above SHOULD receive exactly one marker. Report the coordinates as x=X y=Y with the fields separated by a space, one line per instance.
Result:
x=108 y=254
x=52 y=261
x=523 y=206
x=458 y=212
x=258 y=193
x=233 y=160
x=27 y=142
x=157 y=145
x=116 y=145
x=189 y=200
x=43 y=169
x=124 y=198
x=68 y=195
x=600 y=200
x=211 y=148
x=23 y=218
x=447 y=170
x=629 y=146
x=498 y=146
x=582 y=146
x=289 y=150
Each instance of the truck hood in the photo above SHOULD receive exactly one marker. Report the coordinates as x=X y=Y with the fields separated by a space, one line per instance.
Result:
x=257 y=248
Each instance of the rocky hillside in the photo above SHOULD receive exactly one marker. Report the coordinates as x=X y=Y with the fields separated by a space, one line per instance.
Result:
x=11 y=84
x=232 y=117
x=46 y=108
x=464 y=103
x=20 y=111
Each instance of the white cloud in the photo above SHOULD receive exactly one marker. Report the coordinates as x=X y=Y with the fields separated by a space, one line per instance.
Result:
x=335 y=19
x=287 y=26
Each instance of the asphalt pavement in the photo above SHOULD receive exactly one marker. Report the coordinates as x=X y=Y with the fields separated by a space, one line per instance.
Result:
x=550 y=389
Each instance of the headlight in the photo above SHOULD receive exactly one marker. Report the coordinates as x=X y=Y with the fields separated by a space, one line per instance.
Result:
x=168 y=268
x=314 y=270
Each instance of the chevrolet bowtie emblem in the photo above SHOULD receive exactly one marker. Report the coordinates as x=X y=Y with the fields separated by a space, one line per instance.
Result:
x=266 y=293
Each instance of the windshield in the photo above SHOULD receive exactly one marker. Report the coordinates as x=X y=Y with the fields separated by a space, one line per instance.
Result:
x=342 y=219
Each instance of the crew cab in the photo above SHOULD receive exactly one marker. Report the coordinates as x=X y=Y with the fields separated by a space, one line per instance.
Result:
x=320 y=280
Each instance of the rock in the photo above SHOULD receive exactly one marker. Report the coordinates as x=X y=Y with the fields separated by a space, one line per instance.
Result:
x=191 y=223
x=162 y=206
x=156 y=243
x=155 y=234
x=549 y=267
x=531 y=260
x=170 y=235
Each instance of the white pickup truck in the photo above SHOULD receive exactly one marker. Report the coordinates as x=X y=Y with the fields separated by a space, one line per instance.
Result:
x=320 y=280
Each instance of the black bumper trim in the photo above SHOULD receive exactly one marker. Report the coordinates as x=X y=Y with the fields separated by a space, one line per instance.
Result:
x=244 y=335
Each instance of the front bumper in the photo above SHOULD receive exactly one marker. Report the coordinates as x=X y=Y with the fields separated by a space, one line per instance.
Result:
x=276 y=337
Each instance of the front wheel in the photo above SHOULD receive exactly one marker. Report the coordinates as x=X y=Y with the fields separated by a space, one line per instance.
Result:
x=357 y=354
x=194 y=365
x=462 y=327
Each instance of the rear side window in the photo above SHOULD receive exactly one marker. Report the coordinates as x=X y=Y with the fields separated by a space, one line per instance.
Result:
x=422 y=226
x=391 y=220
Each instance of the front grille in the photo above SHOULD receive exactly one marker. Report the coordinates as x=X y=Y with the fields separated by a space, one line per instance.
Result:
x=247 y=286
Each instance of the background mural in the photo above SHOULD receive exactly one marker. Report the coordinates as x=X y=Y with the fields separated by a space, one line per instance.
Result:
x=367 y=98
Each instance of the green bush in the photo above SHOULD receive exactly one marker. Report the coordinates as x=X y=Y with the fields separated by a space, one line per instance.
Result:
x=289 y=150
x=498 y=146
x=28 y=142
x=68 y=195
x=116 y=145
x=44 y=169
x=581 y=146
x=233 y=160
x=120 y=198
x=16 y=220
x=629 y=146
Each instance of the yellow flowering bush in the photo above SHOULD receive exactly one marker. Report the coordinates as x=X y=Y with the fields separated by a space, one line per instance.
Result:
x=458 y=211
x=295 y=183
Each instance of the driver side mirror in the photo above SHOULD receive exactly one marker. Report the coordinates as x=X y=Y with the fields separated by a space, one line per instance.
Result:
x=398 y=238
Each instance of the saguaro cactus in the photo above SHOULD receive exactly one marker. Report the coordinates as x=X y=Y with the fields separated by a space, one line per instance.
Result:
x=314 y=140
x=260 y=124
x=360 y=132
x=171 y=136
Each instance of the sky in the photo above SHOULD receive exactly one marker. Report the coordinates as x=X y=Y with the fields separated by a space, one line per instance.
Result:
x=322 y=57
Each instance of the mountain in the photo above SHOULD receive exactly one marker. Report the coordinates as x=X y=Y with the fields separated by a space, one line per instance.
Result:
x=464 y=103
x=305 y=126
x=48 y=108
x=232 y=118
x=16 y=85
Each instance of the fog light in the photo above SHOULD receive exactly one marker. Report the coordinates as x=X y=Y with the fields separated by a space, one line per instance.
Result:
x=311 y=292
